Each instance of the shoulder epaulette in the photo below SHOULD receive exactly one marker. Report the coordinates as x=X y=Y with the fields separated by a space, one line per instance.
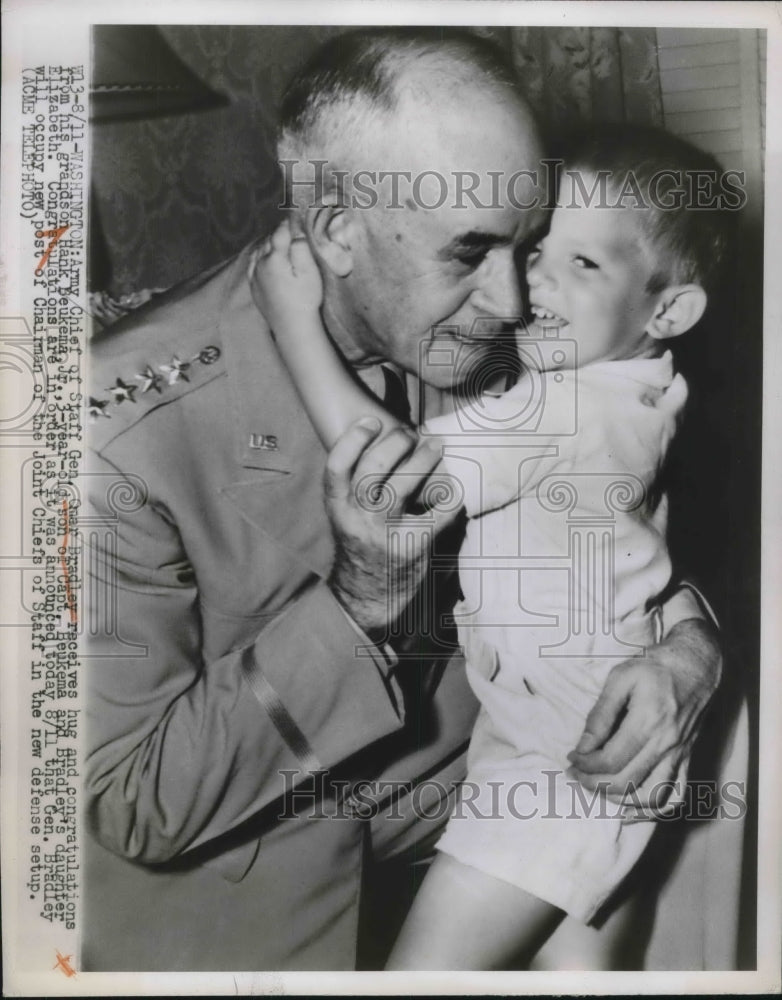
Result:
x=165 y=349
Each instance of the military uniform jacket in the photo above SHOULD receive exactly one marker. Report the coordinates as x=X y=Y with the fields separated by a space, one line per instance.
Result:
x=222 y=672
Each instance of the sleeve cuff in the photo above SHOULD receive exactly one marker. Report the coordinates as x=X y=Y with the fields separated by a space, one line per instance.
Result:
x=324 y=685
x=685 y=602
x=384 y=656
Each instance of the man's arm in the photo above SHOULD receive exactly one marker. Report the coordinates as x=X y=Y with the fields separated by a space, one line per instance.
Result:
x=186 y=744
x=659 y=699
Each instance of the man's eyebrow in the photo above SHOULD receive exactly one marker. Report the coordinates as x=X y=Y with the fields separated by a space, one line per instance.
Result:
x=472 y=240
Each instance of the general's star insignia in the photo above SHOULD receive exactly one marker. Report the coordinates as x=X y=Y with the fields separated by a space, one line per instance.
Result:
x=121 y=392
x=96 y=407
x=149 y=380
x=175 y=371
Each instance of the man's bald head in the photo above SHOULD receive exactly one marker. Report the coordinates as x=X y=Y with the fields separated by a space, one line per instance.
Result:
x=346 y=97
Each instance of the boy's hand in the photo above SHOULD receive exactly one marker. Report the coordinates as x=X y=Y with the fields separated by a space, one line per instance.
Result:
x=285 y=280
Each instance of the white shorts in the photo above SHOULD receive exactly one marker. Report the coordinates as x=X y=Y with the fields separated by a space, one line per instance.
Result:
x=520 y=817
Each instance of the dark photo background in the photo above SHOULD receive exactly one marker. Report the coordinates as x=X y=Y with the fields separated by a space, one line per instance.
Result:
x=180 y=192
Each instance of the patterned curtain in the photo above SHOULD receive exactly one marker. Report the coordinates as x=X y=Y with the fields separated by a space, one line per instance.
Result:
x=178 y=194
x=577 y=76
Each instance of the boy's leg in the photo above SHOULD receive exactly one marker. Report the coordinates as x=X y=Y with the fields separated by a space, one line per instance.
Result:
x=617 y=944
x=465 y=919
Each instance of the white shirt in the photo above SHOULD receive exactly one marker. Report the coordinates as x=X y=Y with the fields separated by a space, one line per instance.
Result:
x=565 y=549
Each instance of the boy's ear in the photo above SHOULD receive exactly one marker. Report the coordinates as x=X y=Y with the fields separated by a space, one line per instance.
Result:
x=678 y=309
x=331 y=229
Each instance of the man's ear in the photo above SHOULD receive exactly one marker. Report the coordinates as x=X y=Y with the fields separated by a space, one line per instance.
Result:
x=331 y=229
x=678 y=309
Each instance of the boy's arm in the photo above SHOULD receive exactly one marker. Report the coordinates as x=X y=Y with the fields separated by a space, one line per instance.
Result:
x=500 y=448
x=287 y=287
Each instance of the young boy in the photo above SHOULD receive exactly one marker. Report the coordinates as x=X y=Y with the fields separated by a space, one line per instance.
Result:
x=564 y=558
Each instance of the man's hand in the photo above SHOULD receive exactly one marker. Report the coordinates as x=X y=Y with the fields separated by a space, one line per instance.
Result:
x=382 y=551
x=285 y=280
x=645 y=721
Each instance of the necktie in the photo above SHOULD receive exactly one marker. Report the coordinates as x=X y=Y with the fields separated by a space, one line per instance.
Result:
x=425 y=647
x=395 y=396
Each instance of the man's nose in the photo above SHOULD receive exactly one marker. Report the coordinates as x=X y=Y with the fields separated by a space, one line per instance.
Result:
x=498 y=293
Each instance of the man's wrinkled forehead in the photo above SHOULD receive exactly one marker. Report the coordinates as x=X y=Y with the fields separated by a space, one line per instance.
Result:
x=512 y=230
x=496 y=198
x=477 y=146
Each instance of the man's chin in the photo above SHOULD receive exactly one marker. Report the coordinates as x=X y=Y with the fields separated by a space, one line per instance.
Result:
x=454 y=362
x=451 y=366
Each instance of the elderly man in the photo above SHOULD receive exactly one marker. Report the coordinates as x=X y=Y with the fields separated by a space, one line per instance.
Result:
x=276 y=711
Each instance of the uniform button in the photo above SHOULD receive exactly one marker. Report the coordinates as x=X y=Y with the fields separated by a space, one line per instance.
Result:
x=209 y=355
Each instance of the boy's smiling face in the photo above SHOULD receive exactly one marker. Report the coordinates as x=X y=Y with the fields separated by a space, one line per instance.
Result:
x=588 y=279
